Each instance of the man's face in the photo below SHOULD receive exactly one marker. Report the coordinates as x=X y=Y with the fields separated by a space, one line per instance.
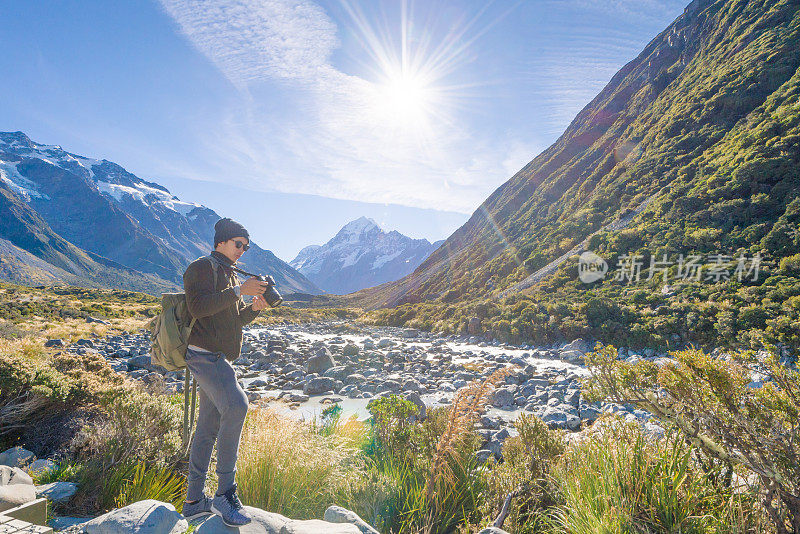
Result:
x=230 y=250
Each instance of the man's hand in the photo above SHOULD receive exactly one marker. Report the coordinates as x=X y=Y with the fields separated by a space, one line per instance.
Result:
x=259 y=303
x=253 y=286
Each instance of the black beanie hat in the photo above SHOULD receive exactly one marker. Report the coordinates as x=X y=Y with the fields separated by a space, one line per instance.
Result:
x=226 y=229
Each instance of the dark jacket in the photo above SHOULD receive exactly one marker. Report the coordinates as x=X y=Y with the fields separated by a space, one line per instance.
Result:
x=219 y=312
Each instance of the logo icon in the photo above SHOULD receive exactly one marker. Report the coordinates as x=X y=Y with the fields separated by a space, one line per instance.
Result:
x=591 y=267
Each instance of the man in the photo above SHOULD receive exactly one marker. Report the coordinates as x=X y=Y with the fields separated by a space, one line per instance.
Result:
x=215 y=341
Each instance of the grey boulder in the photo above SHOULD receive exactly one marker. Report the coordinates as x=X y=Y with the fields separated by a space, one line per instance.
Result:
x=16 y=487
x=57 y=491
x=16 y=457
x=320 y=362
x=263 y=523
x=143 y=517
x=319 y=385
x=337 y=514
x=502 y=397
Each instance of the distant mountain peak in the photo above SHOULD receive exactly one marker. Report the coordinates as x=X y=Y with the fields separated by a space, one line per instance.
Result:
x=360 y=225
x=361 y=255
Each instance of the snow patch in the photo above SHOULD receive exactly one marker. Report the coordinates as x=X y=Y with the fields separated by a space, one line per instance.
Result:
x=351 y=258
x=18 y=183
x=380 y=261
x=147 y=195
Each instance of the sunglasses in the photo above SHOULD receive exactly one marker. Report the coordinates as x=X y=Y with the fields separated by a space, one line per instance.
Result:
x=239 y=244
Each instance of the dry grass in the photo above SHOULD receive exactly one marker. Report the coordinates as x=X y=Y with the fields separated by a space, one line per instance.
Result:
x=74 y=329
x=29 y=348
x=285 y=466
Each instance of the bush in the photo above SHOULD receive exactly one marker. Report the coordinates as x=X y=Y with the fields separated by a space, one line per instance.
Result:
x=136 y=427
x=393 y=420
x=525 y=473
x=714 y=404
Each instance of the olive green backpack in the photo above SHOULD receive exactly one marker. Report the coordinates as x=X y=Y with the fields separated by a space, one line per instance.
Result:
x=169 y=339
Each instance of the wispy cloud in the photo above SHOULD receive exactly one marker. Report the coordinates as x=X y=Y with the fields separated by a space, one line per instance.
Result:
x=252 y=40
x=332 y=135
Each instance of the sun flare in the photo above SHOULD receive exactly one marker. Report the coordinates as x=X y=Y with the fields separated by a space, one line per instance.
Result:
x=404 y=98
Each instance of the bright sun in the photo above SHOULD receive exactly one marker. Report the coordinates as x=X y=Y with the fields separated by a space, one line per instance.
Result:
x=404 y=99
x=405 y=94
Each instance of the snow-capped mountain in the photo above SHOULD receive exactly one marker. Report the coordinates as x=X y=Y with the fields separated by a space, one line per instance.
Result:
x=361 y=255
x=102 y=208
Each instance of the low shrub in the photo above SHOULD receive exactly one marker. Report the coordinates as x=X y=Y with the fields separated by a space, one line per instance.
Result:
x=524 y=477
x=722 y=412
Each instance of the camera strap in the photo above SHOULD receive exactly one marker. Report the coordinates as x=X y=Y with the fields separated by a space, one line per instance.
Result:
x=231 y=267
x=243 y=272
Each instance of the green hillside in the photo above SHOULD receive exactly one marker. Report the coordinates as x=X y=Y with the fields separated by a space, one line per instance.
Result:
x=692 y=148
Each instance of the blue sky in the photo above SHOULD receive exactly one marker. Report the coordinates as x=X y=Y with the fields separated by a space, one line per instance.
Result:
x=298 y=116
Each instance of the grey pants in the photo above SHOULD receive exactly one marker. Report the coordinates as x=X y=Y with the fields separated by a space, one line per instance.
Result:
x=222 y=409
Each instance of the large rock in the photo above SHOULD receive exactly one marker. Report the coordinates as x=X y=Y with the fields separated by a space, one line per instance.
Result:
x=580 y=345
x=41 y=467
x=560 y=417
x=571 y=356
x=319 y=385
x=337 y=514
x=355 y=378
x=350 y=349
x=16 y=487
x=263 y=523
x=320 y=362
x=59 y=491
x=143 y=517
x=144 y=362
x=338 y=372
x=574 y=351
x=16 y=457
x=316 y=526
x=415 y=397
x=502 y=397
x=483 y=455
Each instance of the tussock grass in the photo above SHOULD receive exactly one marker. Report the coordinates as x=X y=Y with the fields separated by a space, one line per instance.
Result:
x=618 y=481
x=285 y=466
x=141 y=482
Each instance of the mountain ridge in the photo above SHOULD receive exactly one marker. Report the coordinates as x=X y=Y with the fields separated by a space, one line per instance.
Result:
x=703 y=123
x=105 y=210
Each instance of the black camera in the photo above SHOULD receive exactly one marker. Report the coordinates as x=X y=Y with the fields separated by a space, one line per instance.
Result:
x=271 y=294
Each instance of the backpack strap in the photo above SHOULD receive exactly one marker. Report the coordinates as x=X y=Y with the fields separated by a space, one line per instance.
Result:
x=214 y=269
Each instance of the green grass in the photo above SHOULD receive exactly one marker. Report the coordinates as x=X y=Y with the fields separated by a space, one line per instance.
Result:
x=141 y=482
x=618 y=481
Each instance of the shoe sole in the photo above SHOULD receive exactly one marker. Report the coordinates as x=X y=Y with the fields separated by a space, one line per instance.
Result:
x=215 y=511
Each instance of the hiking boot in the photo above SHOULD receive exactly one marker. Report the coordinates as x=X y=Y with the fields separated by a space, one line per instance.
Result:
x=230 y=509
x=192 y=510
